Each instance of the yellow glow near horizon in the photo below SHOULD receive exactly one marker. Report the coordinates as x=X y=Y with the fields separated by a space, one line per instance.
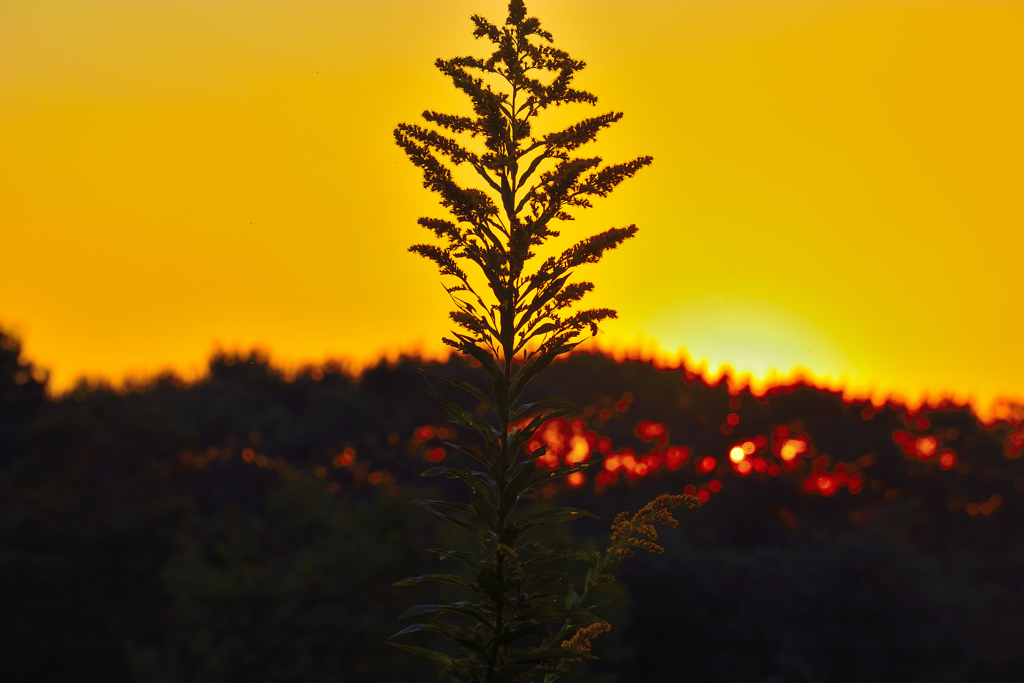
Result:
x=749 y=336
x=837 y=184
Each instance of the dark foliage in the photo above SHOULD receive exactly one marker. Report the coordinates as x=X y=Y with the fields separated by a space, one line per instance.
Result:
x=138 y=543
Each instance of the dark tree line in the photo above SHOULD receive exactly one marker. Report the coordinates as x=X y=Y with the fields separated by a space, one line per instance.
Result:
x=218 y=531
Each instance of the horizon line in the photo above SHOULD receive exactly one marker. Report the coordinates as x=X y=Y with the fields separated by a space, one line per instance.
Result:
x=1000 y=408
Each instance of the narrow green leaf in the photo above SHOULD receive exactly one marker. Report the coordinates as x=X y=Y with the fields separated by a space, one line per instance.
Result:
x=461 y=507
x=485 y=537
x=464 y=419
x=542 y=553
x=554 y=654
x=550 y=577
x=522 y=435
x=548 y=404
x=475 y=454
x=462 y=607
x=527 y=631
x=485 y=511
x=542 y=476
x=470 y=389
x=562 y=514
x=412 y=628
x=450 y=579
x=466 y=559
x=417 y=611
x=433 y=655
x=481 y=356
x=457 y=635
x=559 y=613
x=481 y=482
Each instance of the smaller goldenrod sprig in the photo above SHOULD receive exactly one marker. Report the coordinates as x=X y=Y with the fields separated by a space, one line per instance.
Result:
x=580 y=640
x=639 y=531
x=628 y=532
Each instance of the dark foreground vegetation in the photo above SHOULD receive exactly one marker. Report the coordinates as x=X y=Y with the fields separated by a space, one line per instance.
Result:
x=248 y=527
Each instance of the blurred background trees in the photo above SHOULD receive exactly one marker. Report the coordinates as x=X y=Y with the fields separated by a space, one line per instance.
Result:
x=248 y=526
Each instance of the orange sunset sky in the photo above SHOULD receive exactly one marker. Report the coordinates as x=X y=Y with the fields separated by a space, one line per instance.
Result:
x=838 y=185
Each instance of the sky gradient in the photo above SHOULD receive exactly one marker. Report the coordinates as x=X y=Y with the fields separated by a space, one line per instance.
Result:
x=837 y=185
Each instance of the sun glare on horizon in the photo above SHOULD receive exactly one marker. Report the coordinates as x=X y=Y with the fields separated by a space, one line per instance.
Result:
x=747 y=336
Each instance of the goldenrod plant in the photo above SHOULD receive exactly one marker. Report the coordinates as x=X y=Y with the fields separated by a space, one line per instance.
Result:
x=515 y=314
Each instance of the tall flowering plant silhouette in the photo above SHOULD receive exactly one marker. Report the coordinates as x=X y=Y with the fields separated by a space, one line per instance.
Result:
x=515 y=314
